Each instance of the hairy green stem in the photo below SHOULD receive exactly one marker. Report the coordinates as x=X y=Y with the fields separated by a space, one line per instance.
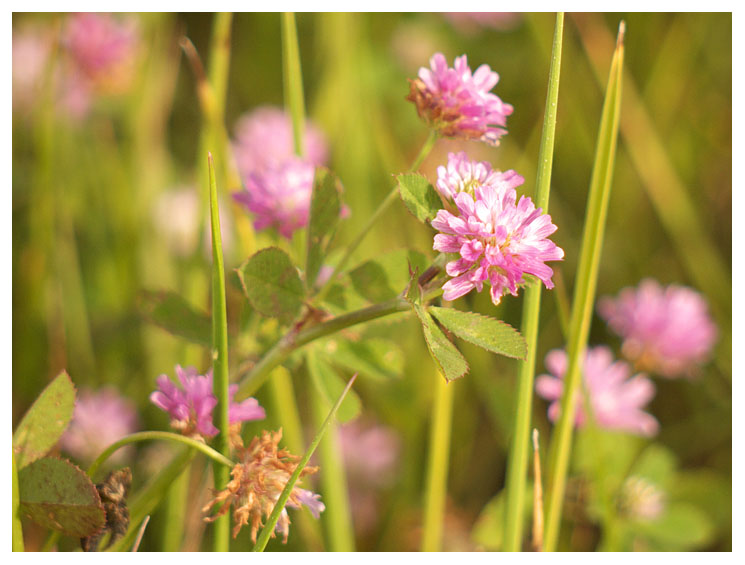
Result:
x=423 y=152
x=584 y=292
x=271 y=522
x=519 y=449
x=297 y=339
x=437 y=466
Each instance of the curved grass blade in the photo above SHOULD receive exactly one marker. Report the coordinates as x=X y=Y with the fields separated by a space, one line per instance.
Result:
x=219 y=358
x=271 y=522
x=148 y=436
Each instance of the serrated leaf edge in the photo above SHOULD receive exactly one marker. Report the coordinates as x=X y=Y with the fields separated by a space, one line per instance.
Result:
x=502 y=322
x=429 y=347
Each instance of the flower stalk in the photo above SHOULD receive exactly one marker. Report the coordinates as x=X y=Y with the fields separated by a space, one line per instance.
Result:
x=437 y=465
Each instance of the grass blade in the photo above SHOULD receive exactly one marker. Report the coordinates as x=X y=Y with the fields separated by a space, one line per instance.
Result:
x=219 y=358
x=584 y=292
x=293 y=80
x=518 y=459
x=271 y=522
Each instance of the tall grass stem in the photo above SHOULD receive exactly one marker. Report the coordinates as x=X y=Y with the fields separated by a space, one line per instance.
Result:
x=519 y=449
x=437 y=465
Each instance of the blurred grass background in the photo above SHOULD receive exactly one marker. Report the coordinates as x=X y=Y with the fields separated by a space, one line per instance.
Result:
x=85 y=241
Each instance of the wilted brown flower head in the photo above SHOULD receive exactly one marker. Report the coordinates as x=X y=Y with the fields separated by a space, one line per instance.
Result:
x=257 y=482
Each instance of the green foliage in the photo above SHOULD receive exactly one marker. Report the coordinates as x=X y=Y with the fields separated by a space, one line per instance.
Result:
x=451 y=362
x=420 y=196
x=325 y=207
x=491 y=334
x=656 y=463
x=682 y=527
x=174 y=314
x=376 y=358
x=384 y=278
x=488 y=531
x=56 y=494
x=45 y=421
x=330 y=385
x=272 y=284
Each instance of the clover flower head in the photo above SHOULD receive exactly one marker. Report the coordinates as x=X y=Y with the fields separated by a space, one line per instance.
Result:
x=280 y=196
x=499 y=240
x=257 y=482
x=666 y=330
x=457 y=102
x=100 y=418
x=463 y=175
x=617 y=400
x=103 y=48
x=264 y=139
x=191 y=406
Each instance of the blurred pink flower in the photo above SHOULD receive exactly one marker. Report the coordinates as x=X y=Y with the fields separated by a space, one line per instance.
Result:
x=470 y=22
x=666 y=330
x=370 y=452
x=279 y=197
x=264 y=139
x=100 y=418
x=498 y=239
x=371 y=457
x=103 y=48
x=464 y=175
x=31 y=47
x=617 y=400
x=191 y=407
x=458 y=103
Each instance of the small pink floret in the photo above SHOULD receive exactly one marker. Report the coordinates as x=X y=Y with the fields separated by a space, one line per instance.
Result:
x=191 y=406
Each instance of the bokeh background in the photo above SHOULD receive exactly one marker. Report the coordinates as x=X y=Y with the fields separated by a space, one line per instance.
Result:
x=94 y=208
